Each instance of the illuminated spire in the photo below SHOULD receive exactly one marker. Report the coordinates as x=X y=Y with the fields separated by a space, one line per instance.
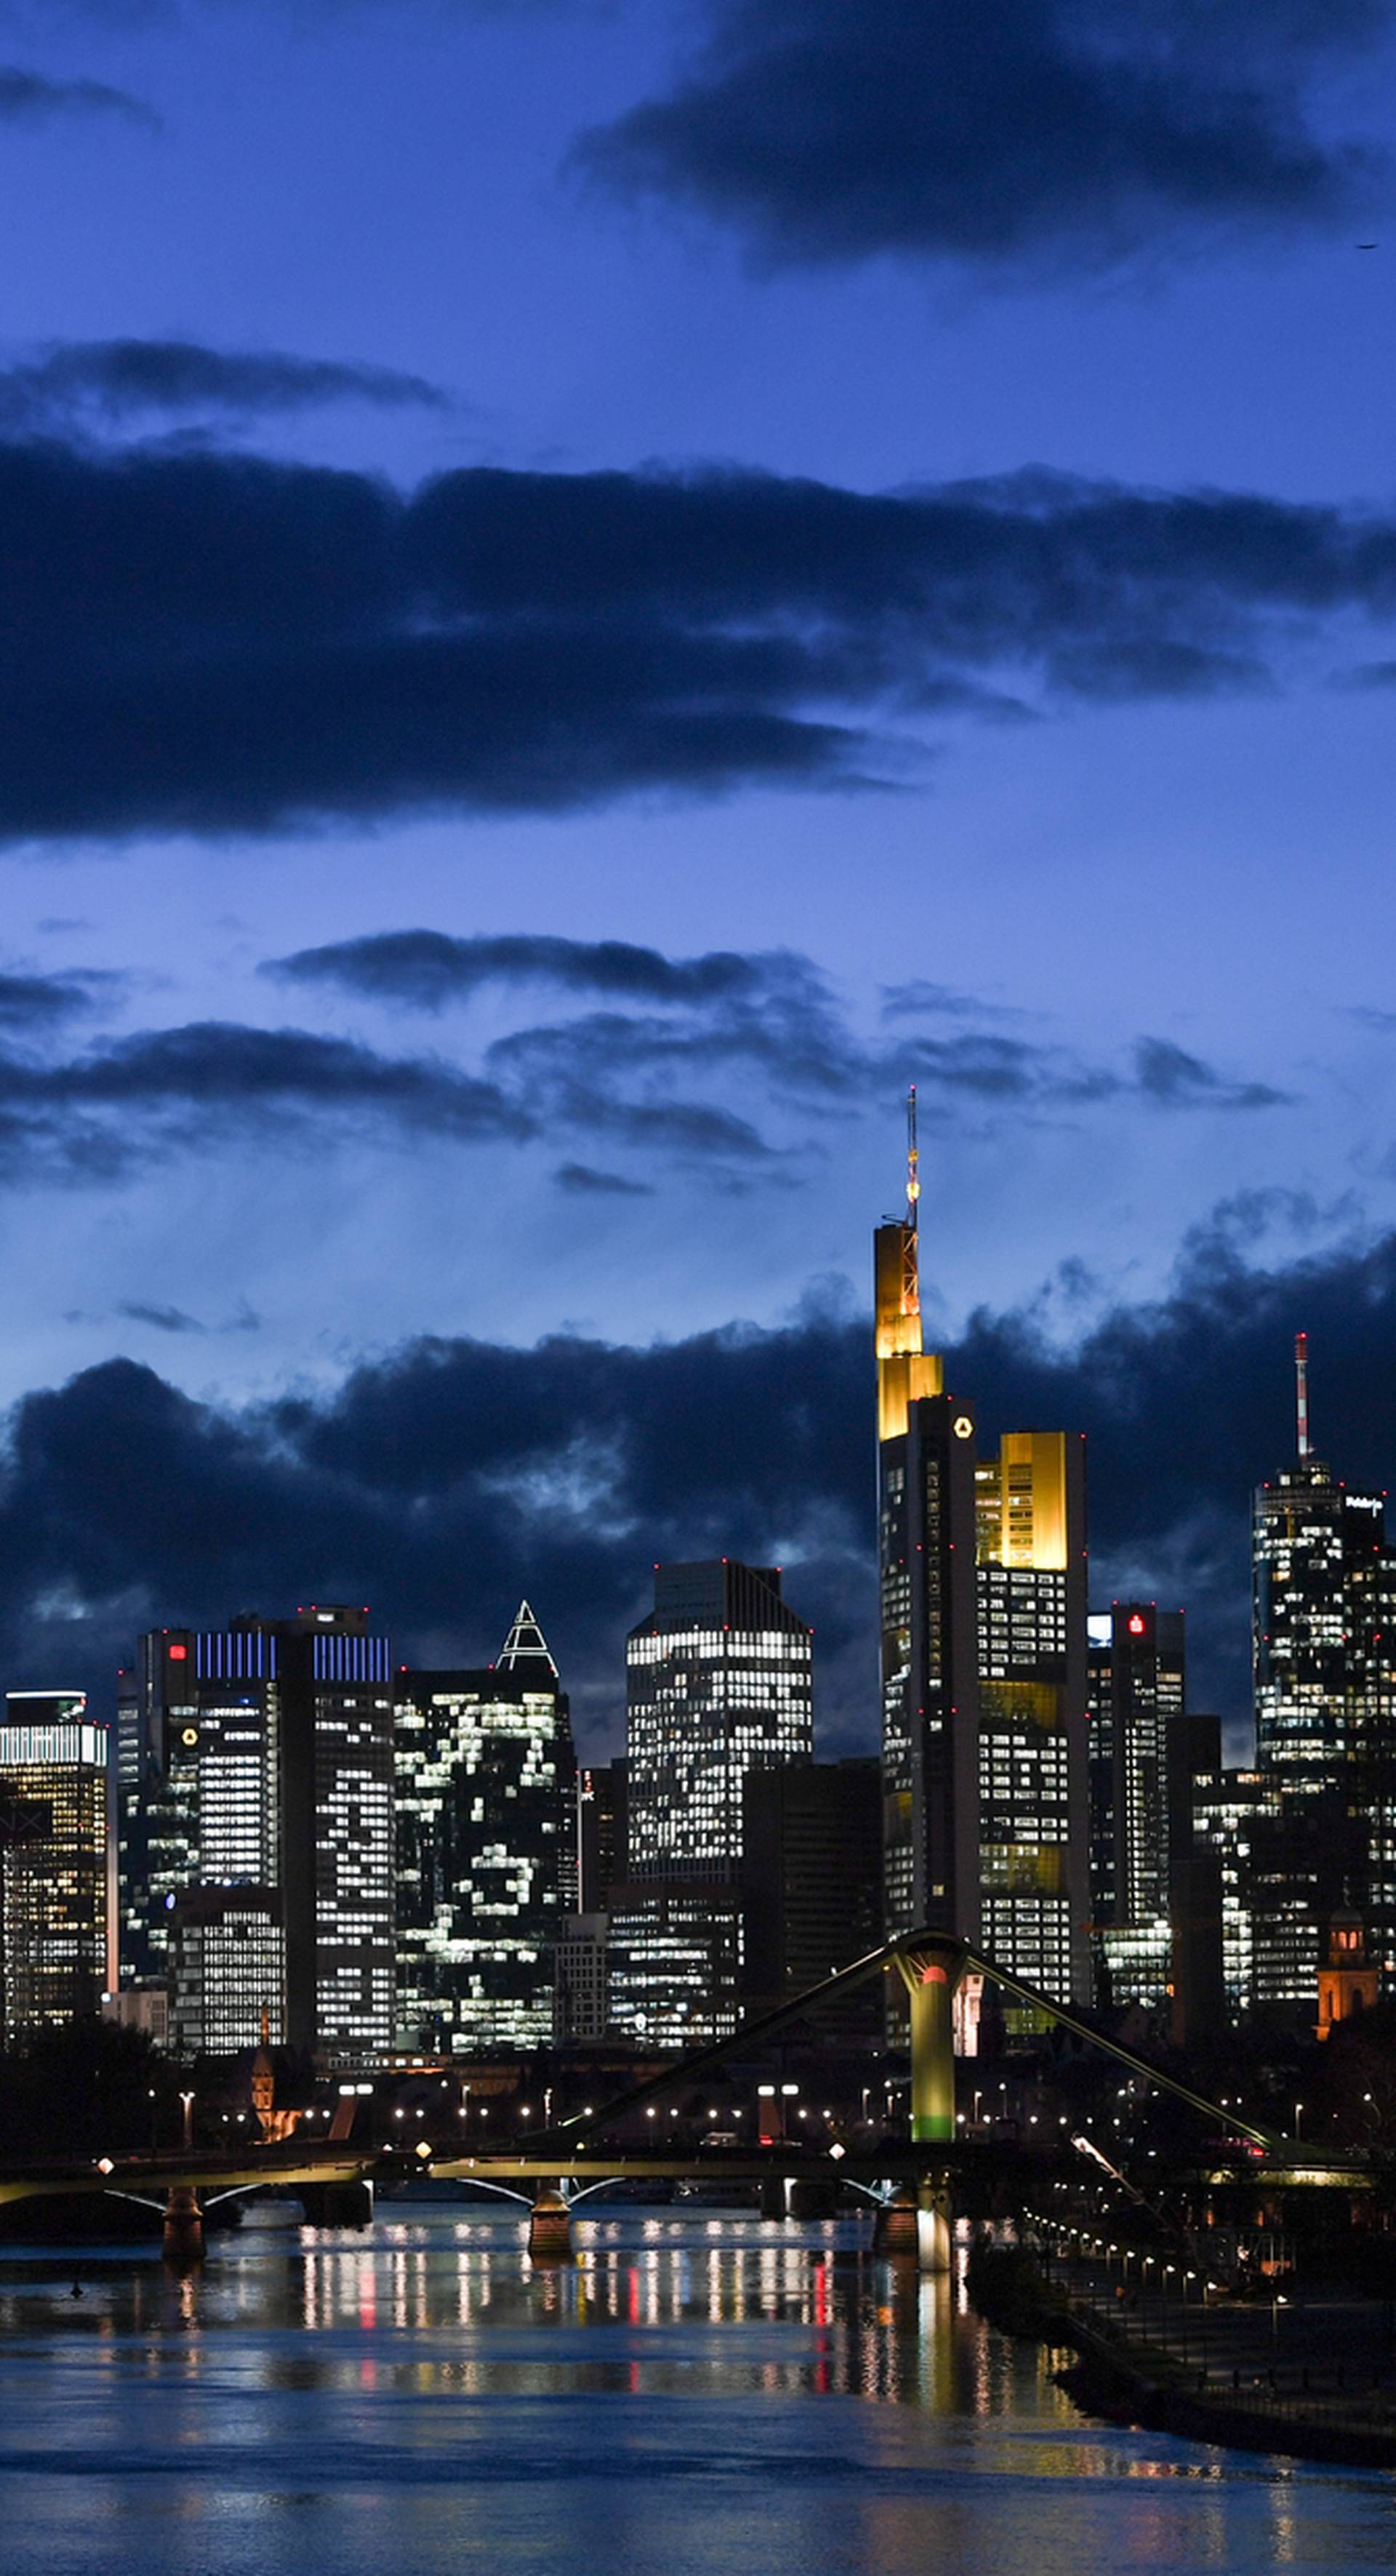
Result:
x=904 y=1370
x=911 y=1273
x=525 y=1644
x=1301 y=1389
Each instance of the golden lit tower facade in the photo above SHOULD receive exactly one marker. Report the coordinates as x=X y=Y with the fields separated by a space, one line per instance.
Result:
x=982 y=1570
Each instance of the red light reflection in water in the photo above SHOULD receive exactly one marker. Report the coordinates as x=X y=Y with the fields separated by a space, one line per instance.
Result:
x=368 y=2295
x=822 y=2377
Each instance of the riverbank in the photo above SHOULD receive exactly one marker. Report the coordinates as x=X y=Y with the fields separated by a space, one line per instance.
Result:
x=1160 y=2391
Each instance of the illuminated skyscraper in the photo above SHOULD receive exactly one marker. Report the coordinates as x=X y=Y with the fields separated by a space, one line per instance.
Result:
x=53 y=1860
x=982 y=1570
x=1325 y=1718
x=1033 y=1842
x=259 y=1757
x=719 y=1682
x=486 y=1864
x=1137 y=1695
x=227 y=1970
x=1301 y=1548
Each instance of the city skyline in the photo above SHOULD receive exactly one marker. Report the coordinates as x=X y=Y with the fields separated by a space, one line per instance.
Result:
x=557 y=671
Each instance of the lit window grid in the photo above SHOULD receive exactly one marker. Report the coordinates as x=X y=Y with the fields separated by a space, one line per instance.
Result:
x=705 y=1706
x=53 y=1887
x=479 y=1798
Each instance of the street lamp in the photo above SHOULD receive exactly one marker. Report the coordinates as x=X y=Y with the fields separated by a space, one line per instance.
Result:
x=1298 y=2116
x=188 y=2100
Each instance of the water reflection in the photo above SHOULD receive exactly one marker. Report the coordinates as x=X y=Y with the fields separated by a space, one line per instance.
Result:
x=427 y=2396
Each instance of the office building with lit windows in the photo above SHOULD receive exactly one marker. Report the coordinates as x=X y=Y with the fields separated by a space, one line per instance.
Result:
x=982 y=1575
x=1325 y=1714
x=53 y=1860
x=486 y=1856
x=719 y=1682
x=674 y=1963
x=259 y=1757
x=1031 y=1590
x=227 y=1980
x=1136 y=1664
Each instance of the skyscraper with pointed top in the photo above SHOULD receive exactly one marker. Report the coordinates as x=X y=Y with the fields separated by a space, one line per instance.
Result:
x=485 y=1775
x=1325 y=1717
x=982 y=1578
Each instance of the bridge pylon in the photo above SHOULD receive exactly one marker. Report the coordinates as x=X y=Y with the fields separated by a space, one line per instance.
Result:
x=931 y=1971
x=550 y=2228
x=184 y=2226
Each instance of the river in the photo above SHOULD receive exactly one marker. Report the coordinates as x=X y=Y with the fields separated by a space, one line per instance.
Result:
x=698 y=2392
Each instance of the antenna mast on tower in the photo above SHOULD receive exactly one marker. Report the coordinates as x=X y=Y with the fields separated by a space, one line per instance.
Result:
x=1301 y=1389
x=911 y=1280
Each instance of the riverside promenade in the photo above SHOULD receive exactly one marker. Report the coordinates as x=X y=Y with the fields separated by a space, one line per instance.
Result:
x=1312 y=2372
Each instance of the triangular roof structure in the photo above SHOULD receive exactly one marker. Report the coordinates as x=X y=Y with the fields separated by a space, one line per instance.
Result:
x=525 y=1644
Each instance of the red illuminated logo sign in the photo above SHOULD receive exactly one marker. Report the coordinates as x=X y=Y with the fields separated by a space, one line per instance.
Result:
x=1136 y=1626
x=179 y=1654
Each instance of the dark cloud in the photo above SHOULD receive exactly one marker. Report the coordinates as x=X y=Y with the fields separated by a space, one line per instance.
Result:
x=922 y=1000
x=580 y=1180
x=428 y=969
x=104 y=1113
x=1174 y=1079
x=744 y=1039
x=31 y=1004
x=110 y=380
x=162 y=1319
x=209 y=643
x=442 y=1482
x=1033 y=133
x=28 y=98
x=771 y=1012
x=793 y=1036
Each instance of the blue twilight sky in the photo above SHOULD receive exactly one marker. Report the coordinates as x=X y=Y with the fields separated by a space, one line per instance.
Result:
x=588 y=592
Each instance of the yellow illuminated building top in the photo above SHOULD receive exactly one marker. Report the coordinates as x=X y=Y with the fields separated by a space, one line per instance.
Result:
x=1021 y=1502
x=904 y=1370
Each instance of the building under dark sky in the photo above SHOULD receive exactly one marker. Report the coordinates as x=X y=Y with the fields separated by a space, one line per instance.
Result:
x=486 y=1858
x=982 y=1570
x=260 y=1756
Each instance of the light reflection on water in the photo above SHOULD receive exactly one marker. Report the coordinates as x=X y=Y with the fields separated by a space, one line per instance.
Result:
x=422 y=2397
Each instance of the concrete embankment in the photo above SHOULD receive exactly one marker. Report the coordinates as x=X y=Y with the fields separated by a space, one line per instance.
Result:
x=1009 y=2291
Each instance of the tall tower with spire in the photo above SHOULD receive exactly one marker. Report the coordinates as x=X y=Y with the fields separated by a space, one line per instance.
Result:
x=1325 y=1716
x=926 y=1528
x=982 y=1570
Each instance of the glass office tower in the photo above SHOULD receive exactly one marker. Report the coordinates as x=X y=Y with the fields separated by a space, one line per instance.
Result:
x=486 y=1864
x=719 y=1682
x=53 y=1860
x=1325 y=1715
x=260 y=1757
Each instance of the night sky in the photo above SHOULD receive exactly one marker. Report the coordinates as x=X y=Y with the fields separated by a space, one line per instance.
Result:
x=590 y=590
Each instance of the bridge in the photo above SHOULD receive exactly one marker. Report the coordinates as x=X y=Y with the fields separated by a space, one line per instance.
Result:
x=550 y=2170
